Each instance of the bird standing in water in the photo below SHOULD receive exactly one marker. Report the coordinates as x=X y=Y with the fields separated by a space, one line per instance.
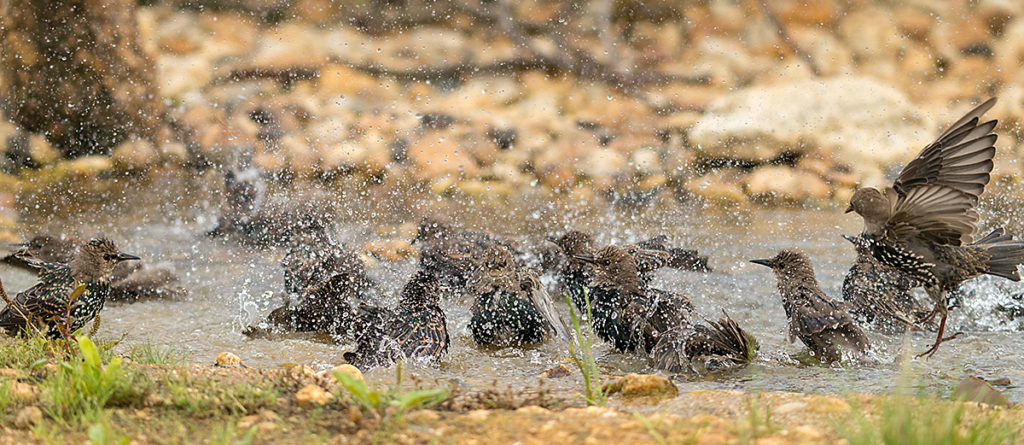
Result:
x=818 y=321
x=924 y=224
x=626 y=310
x=417 y=329
x=510 y=305
x=48 y=304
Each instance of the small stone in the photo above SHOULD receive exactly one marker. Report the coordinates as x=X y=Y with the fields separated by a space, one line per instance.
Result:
x=8 y=373
x=556 y=372
x=311 y=395
x=228 y=359
x=24 y=391
x=28 y=416
x=637 y=385
x=348 y=369
x=300 y=372
x=976 y=389
x=134 y=154
x=248 y=421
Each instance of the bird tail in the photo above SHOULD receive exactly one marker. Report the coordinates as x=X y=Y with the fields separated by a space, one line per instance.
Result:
x=723 y=341
x=1004 y=254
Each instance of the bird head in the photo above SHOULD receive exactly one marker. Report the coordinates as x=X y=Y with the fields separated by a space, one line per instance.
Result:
x=788 y=264
x=96 y=259
x=871 y=204
x=573 y=242
x=497 y=261
x=422 y=289
x=614 y=266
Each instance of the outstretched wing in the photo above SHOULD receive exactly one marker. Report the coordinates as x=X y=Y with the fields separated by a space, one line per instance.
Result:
x=961 y=157
x=934 y=213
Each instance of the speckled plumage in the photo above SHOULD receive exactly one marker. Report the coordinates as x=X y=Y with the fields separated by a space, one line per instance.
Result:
x=700 y=348
x=626 y=310
x=417 y=329
x=452 y=254
x=879 y=295
x=821 y=323
x=46 y=305
x=510 y=305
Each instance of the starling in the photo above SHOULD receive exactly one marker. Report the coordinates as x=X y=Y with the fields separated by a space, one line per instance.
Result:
x=700 y=348
x=510 y=305
x=451 y=254
x=130 y=281
x=48 y=304
x=924 y=224
x=323 y=281
x=648 y=255
x=626 y=310
x=820 y=322
x=880 y=295
x=416 y=329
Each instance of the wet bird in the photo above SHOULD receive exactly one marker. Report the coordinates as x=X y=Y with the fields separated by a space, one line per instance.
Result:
x=818 y=321
x=417 y=328
x=649 y=255
x=48 y=304
x=130 y=281
x=451 y=254
x=879 y=295
x=510 y=305
x=626 y=310
x=924 y=224
x=700 y=348
x=323 y=284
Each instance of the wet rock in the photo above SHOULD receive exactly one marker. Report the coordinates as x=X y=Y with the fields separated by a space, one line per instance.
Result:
x=228 y=359
x=556 y=372
x=976 y=389
x=28 y=417
x=636 y=385
x=862 y=122
x=136 y=154
x=311 y=395
x=783 y=184
x=722 y=187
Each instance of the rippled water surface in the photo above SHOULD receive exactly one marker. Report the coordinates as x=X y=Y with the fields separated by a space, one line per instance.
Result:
x=229 y=285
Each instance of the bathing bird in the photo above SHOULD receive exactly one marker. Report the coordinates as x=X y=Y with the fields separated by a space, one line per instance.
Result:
x=700 y=348
x=821 y=323
x=50 y=306
x=510 y=305
x=415 y=330
x=879 y=295
x=924 y=224
x=626 y=310
x=452 y=254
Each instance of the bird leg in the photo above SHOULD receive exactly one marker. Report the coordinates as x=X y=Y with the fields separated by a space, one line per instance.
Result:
x=930 y=315
x=939 y=339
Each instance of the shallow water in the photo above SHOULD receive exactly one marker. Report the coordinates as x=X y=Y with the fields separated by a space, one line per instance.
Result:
x=230 y=286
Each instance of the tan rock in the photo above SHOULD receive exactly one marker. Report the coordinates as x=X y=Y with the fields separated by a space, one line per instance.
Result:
x=24 y=391
x=311 y=395
x=348 y=369
x=87 y=166
x=8 y=373
x=721 y=187
x=40 y=149
x=28 y=417
x=134 y=154
x=636 y=385
x=777 y=183
x=228 y=359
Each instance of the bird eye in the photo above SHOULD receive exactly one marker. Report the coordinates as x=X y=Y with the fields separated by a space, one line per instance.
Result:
x=109 y=256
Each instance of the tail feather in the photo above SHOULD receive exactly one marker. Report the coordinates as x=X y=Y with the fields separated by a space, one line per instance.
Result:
x=723 y=340
x=1004 y=254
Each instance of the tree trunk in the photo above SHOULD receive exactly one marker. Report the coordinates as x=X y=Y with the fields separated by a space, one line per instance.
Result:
x=75 y=72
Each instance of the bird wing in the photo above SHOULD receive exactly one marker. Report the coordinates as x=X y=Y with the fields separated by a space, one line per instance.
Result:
x=647 y=260
x=815 y=314
x=935 y=213
x=530 y=283
x=961 y=157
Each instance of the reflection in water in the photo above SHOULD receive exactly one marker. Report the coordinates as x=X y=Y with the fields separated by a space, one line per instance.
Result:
x=230 y=286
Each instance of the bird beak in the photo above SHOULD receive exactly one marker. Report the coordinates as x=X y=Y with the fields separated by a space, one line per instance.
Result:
x=851 y=239
x=552 y=238
x=126 y=257
x=590 y=258
x=764 y=262
x=848 y=209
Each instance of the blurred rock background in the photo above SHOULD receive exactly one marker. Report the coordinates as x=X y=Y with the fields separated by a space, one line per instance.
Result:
x=715 y=102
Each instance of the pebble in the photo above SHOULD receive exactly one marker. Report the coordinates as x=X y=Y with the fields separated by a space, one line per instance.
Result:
x=228 y=359
x=312 y=395
x=642 y=385
x=348 y=369
x=28 y=416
